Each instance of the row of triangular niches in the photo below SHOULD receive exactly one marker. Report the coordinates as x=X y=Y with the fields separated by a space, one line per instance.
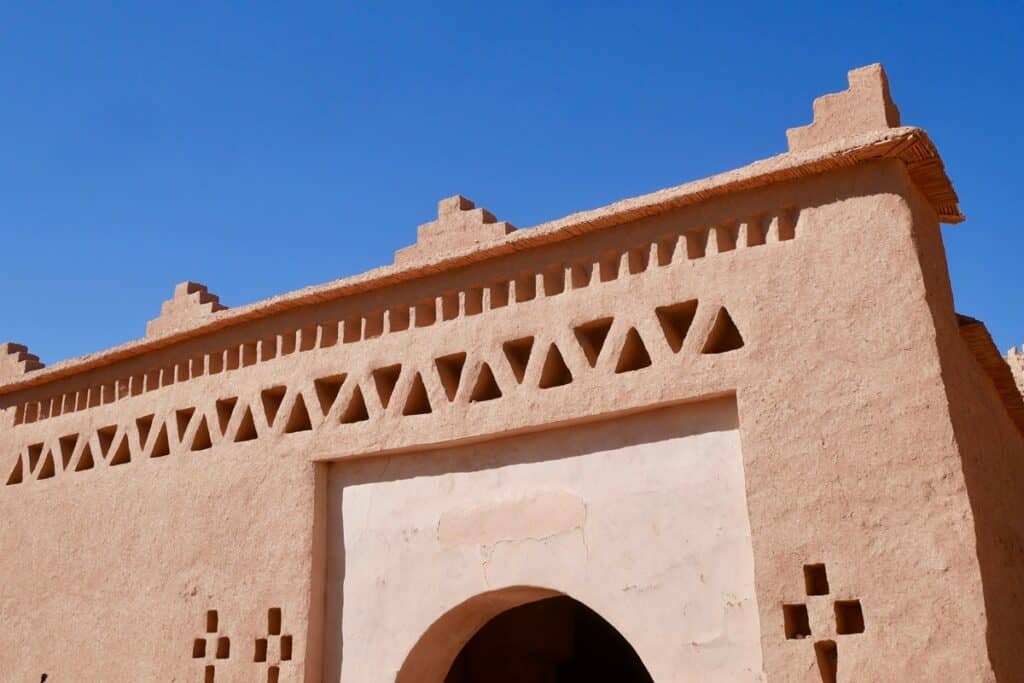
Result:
x=279 y=410
x=682 y=244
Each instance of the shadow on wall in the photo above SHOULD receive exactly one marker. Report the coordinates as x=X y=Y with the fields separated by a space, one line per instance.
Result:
x=453 y=630
x=992 y=457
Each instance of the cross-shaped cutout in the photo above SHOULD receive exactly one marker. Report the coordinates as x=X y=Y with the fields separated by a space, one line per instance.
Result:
x=275 y=648
x=797 y=619
x=212 y=645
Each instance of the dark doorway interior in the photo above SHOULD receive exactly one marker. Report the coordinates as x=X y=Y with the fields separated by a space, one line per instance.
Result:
x=557 y=640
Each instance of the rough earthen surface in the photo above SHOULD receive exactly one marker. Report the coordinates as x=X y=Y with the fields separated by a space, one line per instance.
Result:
x=739 y=419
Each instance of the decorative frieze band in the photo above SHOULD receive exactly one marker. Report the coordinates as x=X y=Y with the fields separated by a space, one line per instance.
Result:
x=556 y=279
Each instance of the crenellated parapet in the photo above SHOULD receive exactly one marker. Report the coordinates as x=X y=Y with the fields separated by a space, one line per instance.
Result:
x=864 y=107
x=459 y=225
x=192 y=302
x=15 y=361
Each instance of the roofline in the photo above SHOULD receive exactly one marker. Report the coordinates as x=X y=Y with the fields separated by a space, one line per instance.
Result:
x=910 y=145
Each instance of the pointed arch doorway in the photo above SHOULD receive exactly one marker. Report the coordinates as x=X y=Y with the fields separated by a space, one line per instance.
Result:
x=523 y=635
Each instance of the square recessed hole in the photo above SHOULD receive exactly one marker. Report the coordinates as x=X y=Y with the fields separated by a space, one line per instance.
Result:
x=286 y=648
x=261 y=650
x=223 y=647
x=211 y=621
x=209 y=674
x=273 y=674
x=815 y=579
x=199 y=648
x=798 y=624
x=274 y=621
x=849 y=617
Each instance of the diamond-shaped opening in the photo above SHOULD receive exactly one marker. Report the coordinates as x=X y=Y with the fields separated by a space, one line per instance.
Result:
x=815 y=579
x=849 y=617
x=797 y=622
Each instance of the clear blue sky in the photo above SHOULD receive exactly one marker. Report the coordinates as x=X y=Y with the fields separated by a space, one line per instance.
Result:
x=261 y=147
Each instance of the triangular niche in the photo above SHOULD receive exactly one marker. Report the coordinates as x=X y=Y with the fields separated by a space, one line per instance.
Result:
x=202 y=441
x=724 y=336
x=591 y=337
x=555 y=372
x=449 y=370
x=518 y=352
x=417 y=402
x=161 y=444
x=272 y=399
x=246 y=427
x=634 y=355
x=298 y=419
x=225 y=409
x=327 y=390
x=486 y=387
x=385 y=380
x=675 y=322
x=85 y=461
x=16 y=473
x=123 y=453
x=355 y=411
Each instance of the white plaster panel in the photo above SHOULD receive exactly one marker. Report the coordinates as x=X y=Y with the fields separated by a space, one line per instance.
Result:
x=643 y=518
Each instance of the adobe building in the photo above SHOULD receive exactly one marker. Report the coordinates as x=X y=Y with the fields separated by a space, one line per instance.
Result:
x=728 y=431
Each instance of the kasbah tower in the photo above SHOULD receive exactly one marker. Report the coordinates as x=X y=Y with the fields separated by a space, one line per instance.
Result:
x=733 y=430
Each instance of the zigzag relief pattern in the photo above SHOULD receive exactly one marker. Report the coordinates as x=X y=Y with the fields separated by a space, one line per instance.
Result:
x=545 y=361
x=687 y=244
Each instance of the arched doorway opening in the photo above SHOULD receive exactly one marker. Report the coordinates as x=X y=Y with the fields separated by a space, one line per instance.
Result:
x=552 y=640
